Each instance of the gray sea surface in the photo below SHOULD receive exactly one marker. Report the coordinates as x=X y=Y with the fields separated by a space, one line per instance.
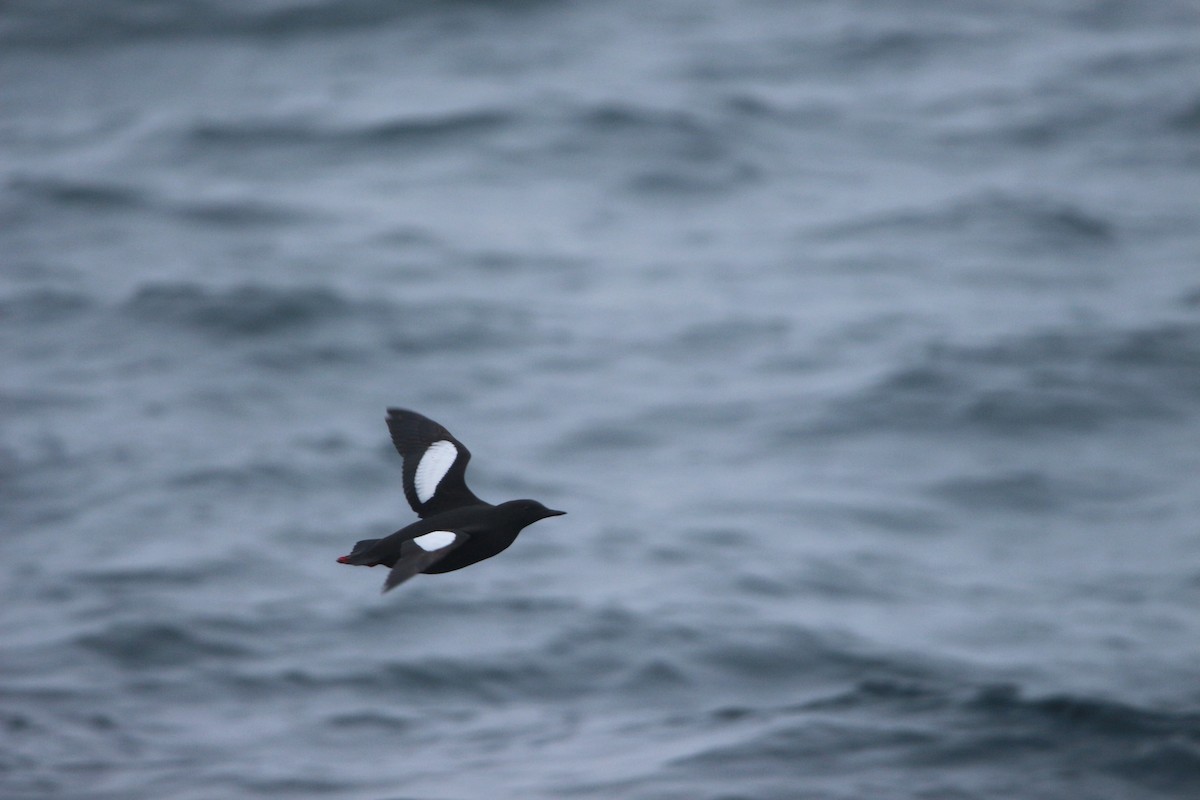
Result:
x=861 y=342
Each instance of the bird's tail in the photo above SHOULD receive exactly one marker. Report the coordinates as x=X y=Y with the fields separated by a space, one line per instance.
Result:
x=358 y=556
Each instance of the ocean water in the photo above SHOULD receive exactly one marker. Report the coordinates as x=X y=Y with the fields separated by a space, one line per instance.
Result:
x=861 y=342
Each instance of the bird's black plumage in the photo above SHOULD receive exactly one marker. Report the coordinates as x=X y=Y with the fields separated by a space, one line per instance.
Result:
x=456 y=528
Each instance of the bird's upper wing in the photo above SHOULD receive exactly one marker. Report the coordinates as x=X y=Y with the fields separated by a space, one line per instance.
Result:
x=420 y=553
x=435 y=463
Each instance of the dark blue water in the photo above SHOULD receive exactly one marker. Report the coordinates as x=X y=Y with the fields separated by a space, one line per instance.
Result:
x=861 y=341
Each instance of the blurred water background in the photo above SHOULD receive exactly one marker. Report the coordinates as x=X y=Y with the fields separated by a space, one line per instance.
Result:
x=860 y=340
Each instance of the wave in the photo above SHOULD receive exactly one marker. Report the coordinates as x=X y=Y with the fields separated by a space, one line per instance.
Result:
x=67 y=193
x=684 y=132
x=1022 y=223
x=1084 y=714
x=888 y=42
x=1077 y=380
x=79 y=192
x=261 y=312
x=256 y=476
x=249 y=310
x=611 y=655
x=657 y=151
x=971 y=738
x=63 y=22
x=283 y=329
x=728 y=335
x=371 y=721
x=1035 y=491
x=1187 y=118
x=444 y=129
x=603 y=652
x=149 y=645
x=47 y=306
x=236 y=213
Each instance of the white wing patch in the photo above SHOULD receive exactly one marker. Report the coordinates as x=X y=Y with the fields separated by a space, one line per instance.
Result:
x=434 y=464
x=435 y=540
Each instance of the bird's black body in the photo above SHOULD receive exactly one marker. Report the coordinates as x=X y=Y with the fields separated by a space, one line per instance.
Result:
x=456 y=528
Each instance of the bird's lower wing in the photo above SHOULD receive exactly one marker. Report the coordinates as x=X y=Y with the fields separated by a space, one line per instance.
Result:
x=420 y=553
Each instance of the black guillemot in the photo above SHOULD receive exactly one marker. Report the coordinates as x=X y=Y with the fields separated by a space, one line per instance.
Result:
x=456 y=528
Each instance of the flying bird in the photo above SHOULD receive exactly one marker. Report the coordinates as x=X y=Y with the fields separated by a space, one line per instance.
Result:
x=456 y=528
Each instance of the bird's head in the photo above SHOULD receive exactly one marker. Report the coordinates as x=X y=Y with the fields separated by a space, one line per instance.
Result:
x=529 y=511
